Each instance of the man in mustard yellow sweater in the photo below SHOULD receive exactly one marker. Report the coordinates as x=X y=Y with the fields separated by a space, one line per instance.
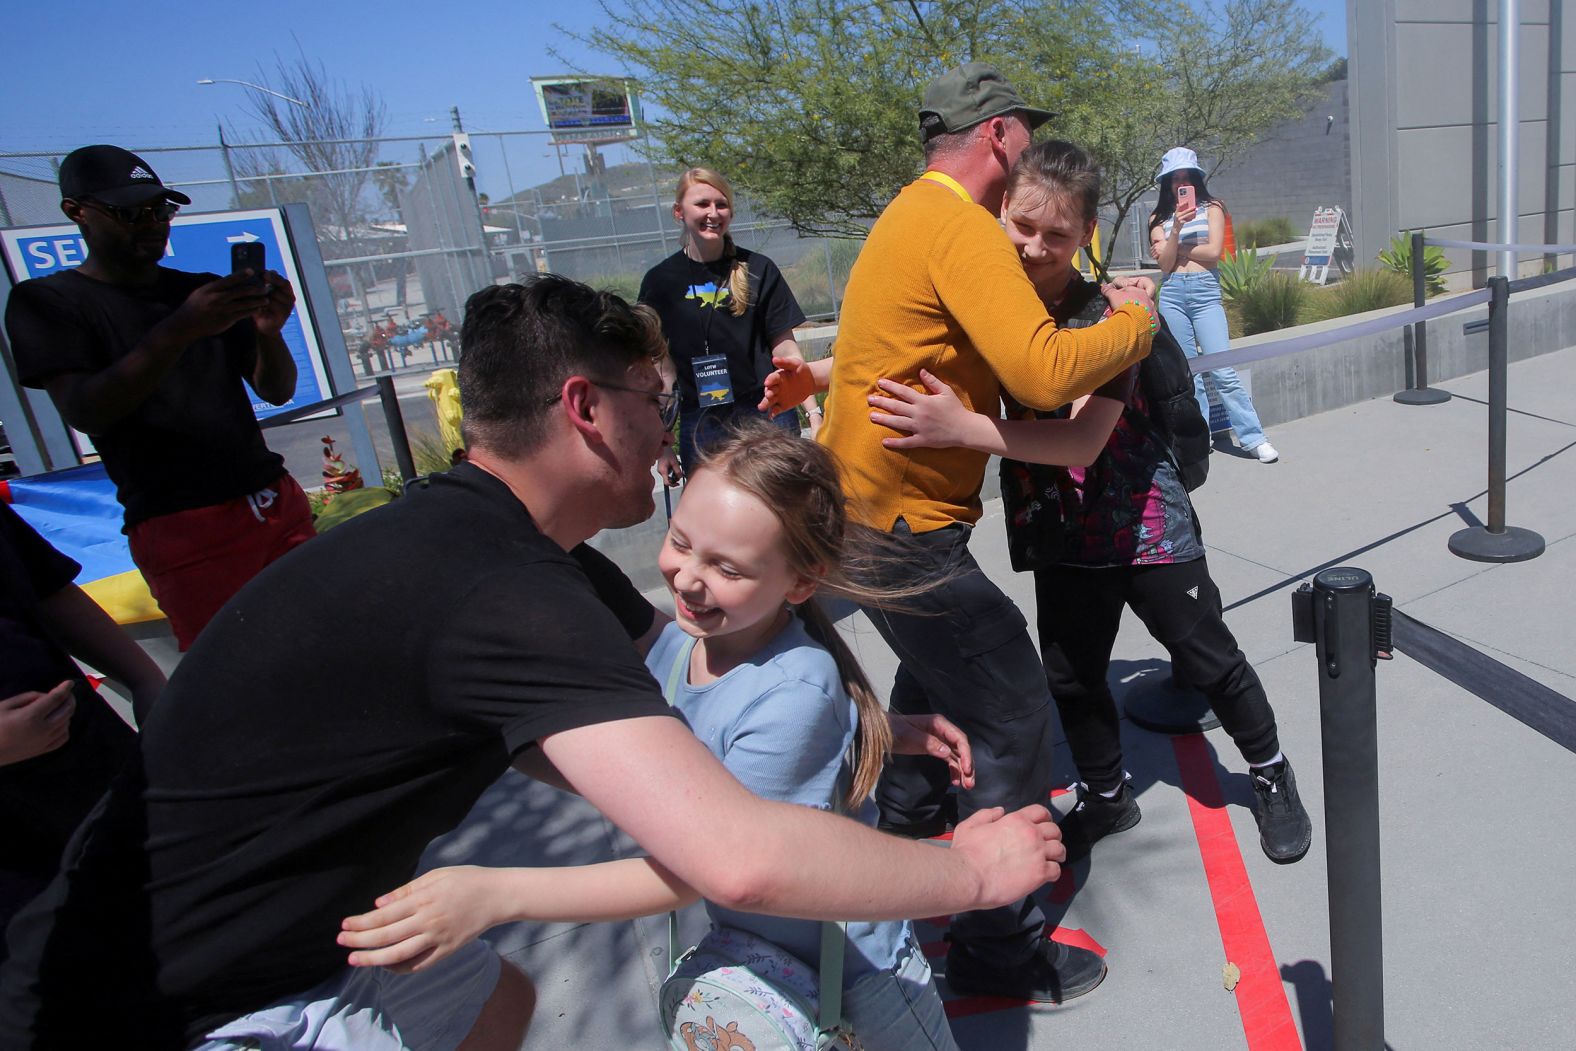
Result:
x=939 y=287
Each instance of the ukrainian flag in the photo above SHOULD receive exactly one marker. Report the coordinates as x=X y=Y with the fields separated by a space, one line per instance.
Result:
x=76 y=511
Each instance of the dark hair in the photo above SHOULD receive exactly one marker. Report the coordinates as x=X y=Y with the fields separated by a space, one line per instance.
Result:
x=519 y=343
x=1058 y=169
x=1166 y=207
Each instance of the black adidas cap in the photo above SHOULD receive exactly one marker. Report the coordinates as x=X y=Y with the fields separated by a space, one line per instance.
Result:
x=114 y=176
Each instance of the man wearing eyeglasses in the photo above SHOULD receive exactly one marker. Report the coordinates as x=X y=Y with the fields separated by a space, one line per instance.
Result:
x=152 y=363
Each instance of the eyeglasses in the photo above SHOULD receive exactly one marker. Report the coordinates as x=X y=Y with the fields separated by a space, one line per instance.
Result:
x=158 y=212
x=667 y=400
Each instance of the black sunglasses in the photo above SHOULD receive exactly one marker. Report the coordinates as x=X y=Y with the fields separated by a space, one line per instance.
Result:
x=157 y=212
x=667 y=400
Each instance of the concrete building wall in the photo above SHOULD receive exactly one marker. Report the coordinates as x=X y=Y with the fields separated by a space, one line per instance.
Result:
x=1425 y=108
x=1299 y=166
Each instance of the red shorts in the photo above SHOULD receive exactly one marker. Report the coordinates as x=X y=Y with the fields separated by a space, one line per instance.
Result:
x=195 y=561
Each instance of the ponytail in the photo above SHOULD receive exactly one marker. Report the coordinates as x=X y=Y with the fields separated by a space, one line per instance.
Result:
x=874 y=741
x=738 y=278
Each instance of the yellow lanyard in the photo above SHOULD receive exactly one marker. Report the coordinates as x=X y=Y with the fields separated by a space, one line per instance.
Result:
x=943 y=179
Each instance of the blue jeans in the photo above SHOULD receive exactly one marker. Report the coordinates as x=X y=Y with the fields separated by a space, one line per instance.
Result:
x=699 y=427
x=899 y=1009
x=1190 y=303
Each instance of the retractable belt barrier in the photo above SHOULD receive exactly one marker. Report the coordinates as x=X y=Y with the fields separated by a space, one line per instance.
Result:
x=1519 y=696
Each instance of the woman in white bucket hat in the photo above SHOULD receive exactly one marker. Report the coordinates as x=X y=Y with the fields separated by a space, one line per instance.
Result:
x=1187 y=232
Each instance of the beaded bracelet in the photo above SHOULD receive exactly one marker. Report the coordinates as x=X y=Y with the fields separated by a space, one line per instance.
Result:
x=1154 y=322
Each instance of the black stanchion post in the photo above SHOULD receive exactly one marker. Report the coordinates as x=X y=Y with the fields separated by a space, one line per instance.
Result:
x=397 y=435
x=1418 y=391
x=1497 y=542
x=1338 y=615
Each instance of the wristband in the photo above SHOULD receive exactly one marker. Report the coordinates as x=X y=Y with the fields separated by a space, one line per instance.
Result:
x=816 y=410
x=1154 y=322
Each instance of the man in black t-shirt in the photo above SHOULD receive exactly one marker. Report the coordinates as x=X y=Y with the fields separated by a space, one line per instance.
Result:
x=289 y=776
x=150 y=362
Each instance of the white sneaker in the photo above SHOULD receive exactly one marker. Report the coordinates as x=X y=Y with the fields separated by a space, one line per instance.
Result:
x=1265 y=452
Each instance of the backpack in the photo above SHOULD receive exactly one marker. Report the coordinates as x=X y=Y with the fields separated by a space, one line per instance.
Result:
x=1174 y=415
x=1036 y=528
x=736 y=991
x=1167 y=385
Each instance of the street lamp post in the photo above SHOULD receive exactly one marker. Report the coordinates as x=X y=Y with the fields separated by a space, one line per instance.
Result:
x=254 y=87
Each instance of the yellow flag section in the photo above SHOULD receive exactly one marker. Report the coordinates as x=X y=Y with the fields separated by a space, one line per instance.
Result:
x=443 y=389
x=125 y=597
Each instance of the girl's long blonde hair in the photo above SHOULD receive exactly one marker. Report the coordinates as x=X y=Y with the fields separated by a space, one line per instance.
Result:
x=739 y=271
x=799 y=481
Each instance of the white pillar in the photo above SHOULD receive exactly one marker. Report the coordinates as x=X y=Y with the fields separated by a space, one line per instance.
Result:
x=1509 y=30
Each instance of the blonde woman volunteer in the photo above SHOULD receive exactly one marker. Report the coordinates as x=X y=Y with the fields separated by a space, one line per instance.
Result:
x=726 y=312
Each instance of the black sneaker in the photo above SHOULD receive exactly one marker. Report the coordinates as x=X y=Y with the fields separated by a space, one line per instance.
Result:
x=1096 y=817
x=1054 y=974
x=1285 y=832
x=945 y=817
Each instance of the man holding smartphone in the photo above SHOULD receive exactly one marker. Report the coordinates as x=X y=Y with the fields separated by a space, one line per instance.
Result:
x=152 y=363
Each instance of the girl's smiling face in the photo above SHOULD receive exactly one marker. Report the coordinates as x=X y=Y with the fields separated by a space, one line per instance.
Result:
x=1047 y=229
x=725 y=563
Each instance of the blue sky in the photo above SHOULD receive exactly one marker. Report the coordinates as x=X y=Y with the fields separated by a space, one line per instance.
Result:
x=103 y=72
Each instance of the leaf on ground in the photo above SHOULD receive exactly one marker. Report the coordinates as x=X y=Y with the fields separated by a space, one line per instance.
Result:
x=1230 y=975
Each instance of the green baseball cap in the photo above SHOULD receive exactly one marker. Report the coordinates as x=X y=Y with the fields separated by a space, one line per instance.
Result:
x=960 y=98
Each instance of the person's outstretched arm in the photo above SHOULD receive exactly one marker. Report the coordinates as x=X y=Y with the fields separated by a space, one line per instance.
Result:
x=426 y=920
x=793 y=381
x=938 y=420
x=995 y=858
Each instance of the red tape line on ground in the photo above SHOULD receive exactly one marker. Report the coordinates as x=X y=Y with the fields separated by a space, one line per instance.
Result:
x=1261 y=998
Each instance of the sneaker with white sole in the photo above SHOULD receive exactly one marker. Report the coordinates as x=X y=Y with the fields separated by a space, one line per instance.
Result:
x=1265 y=452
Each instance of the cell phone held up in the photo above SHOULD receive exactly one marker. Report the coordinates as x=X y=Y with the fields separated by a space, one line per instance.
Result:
x=1186 y=201
x=250 y=255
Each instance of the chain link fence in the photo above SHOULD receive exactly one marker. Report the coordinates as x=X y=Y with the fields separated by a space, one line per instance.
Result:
x=406 y=236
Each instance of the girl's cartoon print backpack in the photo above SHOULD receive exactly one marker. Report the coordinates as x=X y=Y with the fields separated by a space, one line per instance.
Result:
x=738 y=992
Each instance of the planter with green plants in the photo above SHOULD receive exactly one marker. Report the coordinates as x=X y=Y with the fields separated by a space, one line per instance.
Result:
x=1398 y=257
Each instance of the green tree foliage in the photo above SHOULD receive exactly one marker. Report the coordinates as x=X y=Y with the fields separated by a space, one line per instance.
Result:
x=811 y=105
x=331 y=134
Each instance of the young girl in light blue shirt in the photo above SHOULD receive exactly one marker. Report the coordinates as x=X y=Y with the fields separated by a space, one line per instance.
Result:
x=762 y=677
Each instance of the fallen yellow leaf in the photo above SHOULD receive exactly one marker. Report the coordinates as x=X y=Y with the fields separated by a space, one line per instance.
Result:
x=1230 y=975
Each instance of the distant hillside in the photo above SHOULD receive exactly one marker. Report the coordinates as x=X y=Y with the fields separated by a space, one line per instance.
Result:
x=623 y=180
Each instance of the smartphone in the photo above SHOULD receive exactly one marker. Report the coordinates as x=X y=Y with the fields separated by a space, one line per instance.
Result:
x=1185 y=199
x=249 y=255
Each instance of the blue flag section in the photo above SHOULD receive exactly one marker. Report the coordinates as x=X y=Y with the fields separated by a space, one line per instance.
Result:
x=198 y=243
